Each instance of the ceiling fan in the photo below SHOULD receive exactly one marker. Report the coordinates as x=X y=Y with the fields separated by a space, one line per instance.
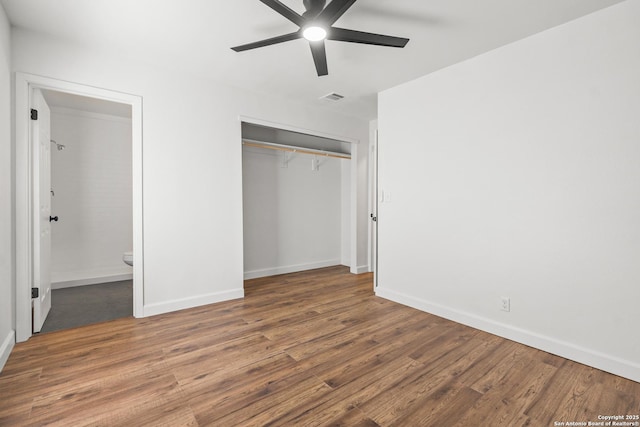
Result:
x=316 y=25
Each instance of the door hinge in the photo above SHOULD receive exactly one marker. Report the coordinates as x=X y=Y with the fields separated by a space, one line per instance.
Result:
x=35 y=292
x=34 y=114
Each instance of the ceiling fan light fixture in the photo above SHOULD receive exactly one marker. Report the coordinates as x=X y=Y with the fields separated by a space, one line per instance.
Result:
x=314 y=33
x=316 y=25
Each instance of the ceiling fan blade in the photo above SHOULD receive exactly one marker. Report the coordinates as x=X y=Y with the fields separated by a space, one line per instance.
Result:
x=334 y=11
x=285 y=11
x=313 y=7
x=268 y=42
x=352 y=36
x=319 y=57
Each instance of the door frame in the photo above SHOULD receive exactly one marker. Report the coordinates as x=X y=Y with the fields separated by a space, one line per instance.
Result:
x=353 y=185
x=24 y=172
x=373 y=202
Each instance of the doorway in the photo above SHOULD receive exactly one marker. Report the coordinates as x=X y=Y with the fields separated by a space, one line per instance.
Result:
x=90 y=194
x=27 y=168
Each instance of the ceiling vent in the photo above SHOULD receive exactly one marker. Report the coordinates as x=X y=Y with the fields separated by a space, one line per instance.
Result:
x=332 y=97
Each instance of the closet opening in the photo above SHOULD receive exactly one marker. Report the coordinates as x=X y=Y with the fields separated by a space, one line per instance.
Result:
x=296 y=201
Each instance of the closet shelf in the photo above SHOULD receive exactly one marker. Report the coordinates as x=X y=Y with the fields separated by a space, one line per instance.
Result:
x=294 y=149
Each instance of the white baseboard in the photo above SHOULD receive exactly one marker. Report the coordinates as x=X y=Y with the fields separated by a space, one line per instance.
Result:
x=183 y=303
x=593 y=358
x=360 y=269
x=6 y=347
x=94 y=280
x=254 y=274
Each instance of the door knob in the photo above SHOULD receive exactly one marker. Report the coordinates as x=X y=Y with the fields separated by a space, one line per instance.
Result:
x=53 y=218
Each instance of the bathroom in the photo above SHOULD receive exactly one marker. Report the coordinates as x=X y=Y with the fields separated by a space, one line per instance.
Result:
x=91 y=210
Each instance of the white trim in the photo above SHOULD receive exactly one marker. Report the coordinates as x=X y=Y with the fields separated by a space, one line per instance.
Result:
x=93 y=280
x=24 y=263
x=273 y=271
x=596 y=359
x=185 y=303
x=6 y=347
x=372 y=192
x=355 y=160
x=360 y=269
x=65 y=111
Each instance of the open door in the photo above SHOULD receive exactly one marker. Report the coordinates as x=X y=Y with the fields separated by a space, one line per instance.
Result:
x=374 y=210
x=41 y=143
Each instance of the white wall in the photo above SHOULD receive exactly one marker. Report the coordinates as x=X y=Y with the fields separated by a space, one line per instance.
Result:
x=516 y=174
x=192 y=167
x=92 y=181
x=7 y=299
x=292 y=215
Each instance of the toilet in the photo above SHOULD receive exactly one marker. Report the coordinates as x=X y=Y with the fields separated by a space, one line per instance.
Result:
x=127 y=257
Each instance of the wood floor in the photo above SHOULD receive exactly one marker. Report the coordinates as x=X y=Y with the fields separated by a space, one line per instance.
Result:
x=313 y=348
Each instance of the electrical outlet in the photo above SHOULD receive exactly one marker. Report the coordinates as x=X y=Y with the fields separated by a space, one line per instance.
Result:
x=505 y=303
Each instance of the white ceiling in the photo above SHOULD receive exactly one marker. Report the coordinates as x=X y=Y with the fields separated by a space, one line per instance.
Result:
x=196 y=36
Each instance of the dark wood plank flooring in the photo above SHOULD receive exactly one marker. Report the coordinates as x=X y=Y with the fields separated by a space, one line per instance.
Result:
x=311 y=348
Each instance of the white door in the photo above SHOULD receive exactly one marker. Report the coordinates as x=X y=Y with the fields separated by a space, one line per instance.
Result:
x=41 y=144
x=374 y=211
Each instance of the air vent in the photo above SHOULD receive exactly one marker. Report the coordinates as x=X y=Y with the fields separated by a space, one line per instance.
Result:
x=332 y=97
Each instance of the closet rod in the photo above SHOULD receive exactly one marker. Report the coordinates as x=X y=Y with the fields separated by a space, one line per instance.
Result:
x=294 y=149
